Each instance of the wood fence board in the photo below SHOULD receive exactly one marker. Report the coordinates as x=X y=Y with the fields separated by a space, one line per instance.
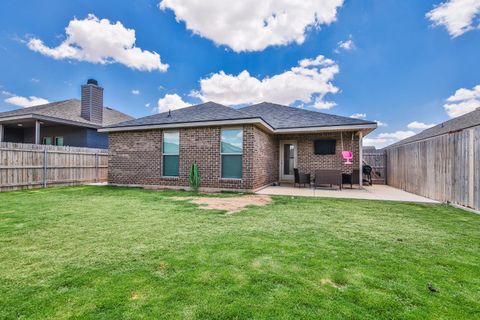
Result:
x=23 y=165
x=445 y=168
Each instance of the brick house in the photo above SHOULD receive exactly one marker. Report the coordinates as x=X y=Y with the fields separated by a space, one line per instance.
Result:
x=63 y=123
x=241 y=149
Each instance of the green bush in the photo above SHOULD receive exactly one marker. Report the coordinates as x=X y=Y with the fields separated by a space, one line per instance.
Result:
x=194 y=177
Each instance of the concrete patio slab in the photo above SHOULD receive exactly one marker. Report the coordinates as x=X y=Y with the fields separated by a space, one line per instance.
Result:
x=375 y=192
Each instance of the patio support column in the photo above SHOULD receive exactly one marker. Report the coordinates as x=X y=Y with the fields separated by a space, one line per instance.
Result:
x=37 y=132
x=360 y=157
x=2 y=133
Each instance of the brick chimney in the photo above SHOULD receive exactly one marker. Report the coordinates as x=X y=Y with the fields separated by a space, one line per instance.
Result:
x=92 y=102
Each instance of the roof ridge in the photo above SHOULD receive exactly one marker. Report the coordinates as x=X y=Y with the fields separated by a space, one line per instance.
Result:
x=296 y=109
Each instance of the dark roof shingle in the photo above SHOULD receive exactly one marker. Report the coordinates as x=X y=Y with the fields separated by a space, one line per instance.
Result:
x=283 y=117
x=209 y=111
x=68 y=110
x=277 y=116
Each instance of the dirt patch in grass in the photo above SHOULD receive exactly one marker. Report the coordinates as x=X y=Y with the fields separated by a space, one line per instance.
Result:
x=330 y=282
x=135 y=296
x=230 y=204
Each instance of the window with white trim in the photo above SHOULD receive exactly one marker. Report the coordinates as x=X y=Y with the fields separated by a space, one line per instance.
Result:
x=171 y=153
x=231 y=150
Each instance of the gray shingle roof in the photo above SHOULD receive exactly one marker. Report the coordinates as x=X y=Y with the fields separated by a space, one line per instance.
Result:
x=468 y=120
x=277 y=116
x=209 y=111
x=283 y=117
x=68 y=110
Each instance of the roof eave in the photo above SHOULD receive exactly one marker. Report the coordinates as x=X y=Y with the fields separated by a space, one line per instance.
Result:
x=51 y=119
x=188 y=125
x=366 y=128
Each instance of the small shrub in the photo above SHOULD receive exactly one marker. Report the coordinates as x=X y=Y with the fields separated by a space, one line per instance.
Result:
x=194 y=177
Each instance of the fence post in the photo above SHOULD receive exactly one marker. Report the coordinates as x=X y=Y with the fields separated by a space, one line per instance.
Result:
x=96 y=167
x=45 y=166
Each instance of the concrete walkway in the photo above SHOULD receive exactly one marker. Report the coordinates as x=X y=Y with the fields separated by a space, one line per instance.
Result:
x=375 y=192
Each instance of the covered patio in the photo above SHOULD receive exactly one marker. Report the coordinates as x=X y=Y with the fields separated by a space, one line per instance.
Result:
x=374 y=192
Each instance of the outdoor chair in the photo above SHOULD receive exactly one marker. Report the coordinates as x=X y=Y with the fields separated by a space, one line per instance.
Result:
x=328 y=177
x=351 y=178
x=301 y=178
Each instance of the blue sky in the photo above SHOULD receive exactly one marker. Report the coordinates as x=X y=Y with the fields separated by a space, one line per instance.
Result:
x=396 y=62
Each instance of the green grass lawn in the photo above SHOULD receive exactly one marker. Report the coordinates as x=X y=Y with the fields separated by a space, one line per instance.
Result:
x=116 y=253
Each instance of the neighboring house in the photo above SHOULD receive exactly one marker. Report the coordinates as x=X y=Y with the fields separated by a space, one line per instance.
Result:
x=242 y=149
x=441 y=163
x=70 y=122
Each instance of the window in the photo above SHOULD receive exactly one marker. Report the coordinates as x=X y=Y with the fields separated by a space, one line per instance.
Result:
x=171 y=151
x=47 y=140
x=59 y=141
x=231 y=150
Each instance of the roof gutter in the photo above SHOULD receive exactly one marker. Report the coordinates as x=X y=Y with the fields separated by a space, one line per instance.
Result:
x=367 y=127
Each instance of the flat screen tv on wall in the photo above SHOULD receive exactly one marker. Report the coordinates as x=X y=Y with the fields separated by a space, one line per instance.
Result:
x=323 y=147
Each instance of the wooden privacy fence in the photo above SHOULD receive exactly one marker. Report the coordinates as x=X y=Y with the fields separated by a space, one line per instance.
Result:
x=445 y=168
x=29 y=165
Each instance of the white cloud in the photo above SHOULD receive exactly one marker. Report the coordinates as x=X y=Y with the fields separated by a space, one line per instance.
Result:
x=318 y=61
x=358 y=116
x=147 y=105
x=381 y=124
x=463 y=101
x=320 y=104
x=136 y=92
x=397 y=135
x=99 y=41
x=378 y=143
x=458 y=16
x=24 y=102
x=35 y=80
x=252 y=25
x=171 y=102
x=387 y=138
x=309 y=83
x=419 y=125
x=346 y=45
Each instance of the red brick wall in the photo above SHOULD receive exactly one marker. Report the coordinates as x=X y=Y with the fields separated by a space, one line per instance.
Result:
x=265 y=153
x=308 y=162
x=136 y=158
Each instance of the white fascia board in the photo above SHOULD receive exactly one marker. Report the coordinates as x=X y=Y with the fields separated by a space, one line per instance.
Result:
x=189 y=125
x=328 y=128
x=367 y=127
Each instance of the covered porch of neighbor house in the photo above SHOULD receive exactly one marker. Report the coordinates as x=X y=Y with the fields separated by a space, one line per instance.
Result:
x=48 y=132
